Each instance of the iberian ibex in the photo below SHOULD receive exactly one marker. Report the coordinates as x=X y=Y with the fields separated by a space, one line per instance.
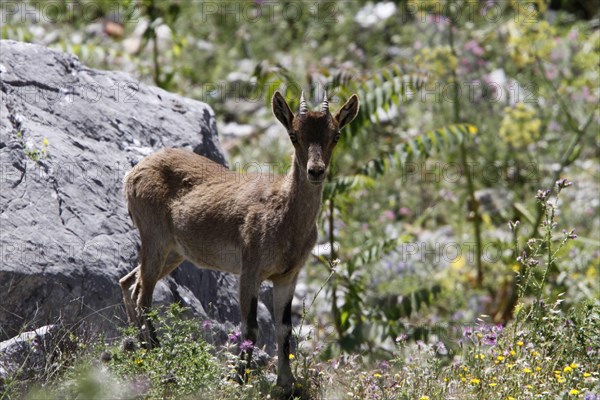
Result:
x=186 y=206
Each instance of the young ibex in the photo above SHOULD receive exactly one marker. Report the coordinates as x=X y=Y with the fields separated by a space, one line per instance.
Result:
x=186 y=206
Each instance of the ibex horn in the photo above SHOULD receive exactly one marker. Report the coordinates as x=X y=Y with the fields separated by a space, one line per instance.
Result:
x=325 y=107
x=303 y=107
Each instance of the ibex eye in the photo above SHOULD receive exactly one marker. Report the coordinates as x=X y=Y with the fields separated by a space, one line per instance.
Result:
x=293 y=137
x=336 y=137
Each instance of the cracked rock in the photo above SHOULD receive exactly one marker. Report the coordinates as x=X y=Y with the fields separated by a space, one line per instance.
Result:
x=68 y=135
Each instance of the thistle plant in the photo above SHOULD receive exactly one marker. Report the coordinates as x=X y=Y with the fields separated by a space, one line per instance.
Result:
x=540 y=254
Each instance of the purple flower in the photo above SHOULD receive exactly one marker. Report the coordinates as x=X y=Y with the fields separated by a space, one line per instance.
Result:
x=234 y=337
x=468 y=332
x=498 y=328
x=389 y=215
x=590 y=396
x=246 y=345
x=207 y=324
x=440 y=348
x=474 y=47
x=491 y=339
x=542 y=194
x=404 y=211
x=401 y=337
x=563 y=183
x=384 y=365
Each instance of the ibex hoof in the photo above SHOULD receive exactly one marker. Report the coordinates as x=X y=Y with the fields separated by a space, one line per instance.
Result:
x=290 y=391
x=148 y=338
x=243 y=372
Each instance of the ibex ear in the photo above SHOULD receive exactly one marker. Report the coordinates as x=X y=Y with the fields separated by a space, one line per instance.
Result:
x=282 y=111
x=348 y=111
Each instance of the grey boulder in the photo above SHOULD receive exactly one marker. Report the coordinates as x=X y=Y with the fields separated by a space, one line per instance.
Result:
x=68 y=135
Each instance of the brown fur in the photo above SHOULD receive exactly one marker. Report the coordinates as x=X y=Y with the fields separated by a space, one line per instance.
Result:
x=261 y=226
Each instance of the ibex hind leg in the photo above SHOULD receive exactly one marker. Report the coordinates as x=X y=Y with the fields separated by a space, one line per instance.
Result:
x=151 y=269
x=129 y=294
x=131 y=288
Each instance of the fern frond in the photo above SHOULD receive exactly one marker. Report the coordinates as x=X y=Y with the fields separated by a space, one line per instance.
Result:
x=372 y=252
x=420 y=146
x=345 y=184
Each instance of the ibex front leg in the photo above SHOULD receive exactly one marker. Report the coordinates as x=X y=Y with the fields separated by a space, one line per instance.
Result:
x=249 y=285
x=283 y=293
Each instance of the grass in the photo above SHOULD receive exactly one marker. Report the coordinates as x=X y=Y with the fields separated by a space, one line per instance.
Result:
x=550 y=354
x=546 y=351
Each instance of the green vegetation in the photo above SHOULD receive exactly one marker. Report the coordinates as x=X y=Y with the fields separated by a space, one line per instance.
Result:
x=443 y=268
x=32 y=153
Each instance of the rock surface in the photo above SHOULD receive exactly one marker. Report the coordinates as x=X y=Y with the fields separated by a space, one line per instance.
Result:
x=28 y=353
x=68 y=135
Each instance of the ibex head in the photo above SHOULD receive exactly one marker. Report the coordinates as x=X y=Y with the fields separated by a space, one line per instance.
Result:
x=314 y=134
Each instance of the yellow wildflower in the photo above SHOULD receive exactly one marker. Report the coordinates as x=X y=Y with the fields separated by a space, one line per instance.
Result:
x=574 y=392
x=520 y=343
x=500 y=358
x=479 y=356
x=567 y=369
x=475 y=381
x=586 y=374
x=440 y=61
x=291 y=356
x=519 y=126
x=527 y=370
x=46 y=142
x=574 y=365
x=512 y=352
x=538 y=369
x=560 y=379
x=377 y=375
x=424 y=398
x=492 y=384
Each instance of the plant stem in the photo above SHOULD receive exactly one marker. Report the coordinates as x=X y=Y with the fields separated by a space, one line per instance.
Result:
x=565 y=160
x=474 y=204
x=335 y=311
x=152 y=13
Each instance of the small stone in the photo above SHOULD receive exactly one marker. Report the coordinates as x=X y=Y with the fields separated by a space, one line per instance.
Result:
x=128 y=344
x=105 y=356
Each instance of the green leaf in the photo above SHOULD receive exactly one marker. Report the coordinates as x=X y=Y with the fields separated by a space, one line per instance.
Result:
x=520 y=207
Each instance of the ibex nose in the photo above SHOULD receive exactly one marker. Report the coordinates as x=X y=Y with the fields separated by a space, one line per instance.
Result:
x=316 y=171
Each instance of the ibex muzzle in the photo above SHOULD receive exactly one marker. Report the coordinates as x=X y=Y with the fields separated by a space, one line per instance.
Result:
x=185 y=206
